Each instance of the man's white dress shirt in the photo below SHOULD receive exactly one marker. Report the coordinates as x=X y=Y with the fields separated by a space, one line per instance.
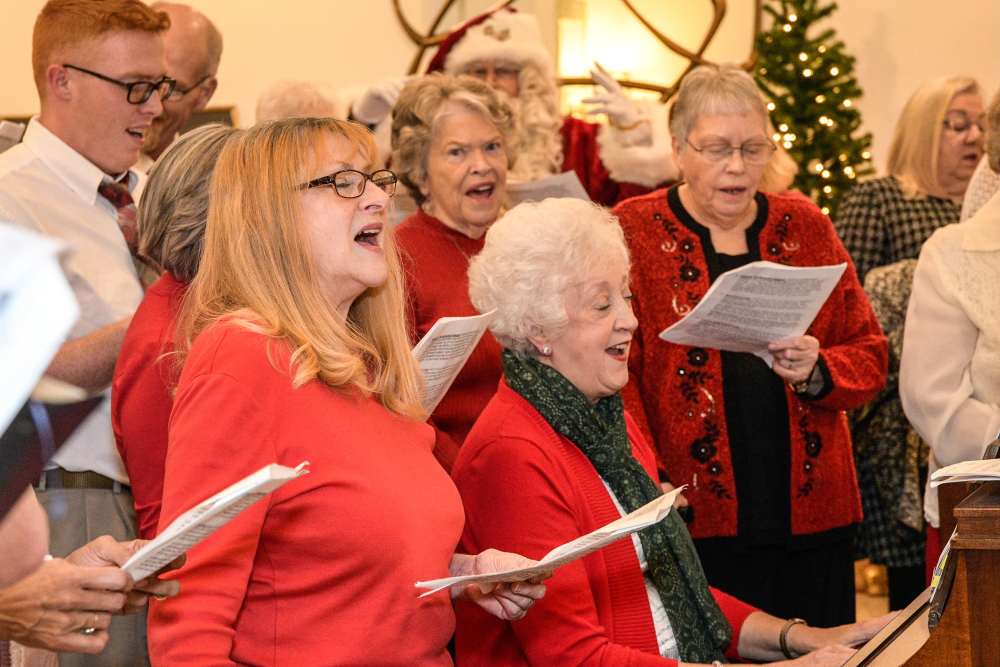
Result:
x=48 y=187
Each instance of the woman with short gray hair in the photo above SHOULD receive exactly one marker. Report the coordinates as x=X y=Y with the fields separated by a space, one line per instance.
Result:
x=172 y=216
x=764 y=447
x=555 y=455
x=452 y=147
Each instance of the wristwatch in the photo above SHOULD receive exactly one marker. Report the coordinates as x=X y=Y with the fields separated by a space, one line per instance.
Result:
x=810 y=385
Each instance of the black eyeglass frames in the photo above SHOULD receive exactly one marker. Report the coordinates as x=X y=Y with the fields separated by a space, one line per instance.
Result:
x=137 y=92
x=350 y=183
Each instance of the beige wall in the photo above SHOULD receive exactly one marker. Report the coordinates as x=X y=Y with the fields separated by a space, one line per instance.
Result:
x=349 y=43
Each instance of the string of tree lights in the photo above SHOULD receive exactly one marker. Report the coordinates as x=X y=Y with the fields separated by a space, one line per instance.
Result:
x=809 y=79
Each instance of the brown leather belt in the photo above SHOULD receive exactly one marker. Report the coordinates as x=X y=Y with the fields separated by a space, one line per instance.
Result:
x=57 y=478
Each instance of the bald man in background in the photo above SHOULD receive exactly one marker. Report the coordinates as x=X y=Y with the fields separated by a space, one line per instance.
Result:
x=194 y=49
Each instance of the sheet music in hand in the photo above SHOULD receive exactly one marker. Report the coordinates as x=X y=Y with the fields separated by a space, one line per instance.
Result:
x=443 y=351
x=749 y=307
x=564 y=185
x=37 y=311
x=205 y=518
x=647 y=515
x=976 y=470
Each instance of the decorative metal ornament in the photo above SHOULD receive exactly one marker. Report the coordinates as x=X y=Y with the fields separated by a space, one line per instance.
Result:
x=694 y=58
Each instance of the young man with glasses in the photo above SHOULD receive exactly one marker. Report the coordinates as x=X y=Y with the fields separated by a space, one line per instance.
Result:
x=101 y=74
x=194 y=48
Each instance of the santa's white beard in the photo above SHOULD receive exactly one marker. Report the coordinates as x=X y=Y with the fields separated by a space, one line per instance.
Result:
x=539 y=145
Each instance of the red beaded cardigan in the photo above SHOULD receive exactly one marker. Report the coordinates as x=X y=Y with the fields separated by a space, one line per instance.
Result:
x=675 y=391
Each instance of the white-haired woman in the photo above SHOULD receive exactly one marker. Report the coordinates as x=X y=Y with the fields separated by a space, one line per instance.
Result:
x=295 y=350
x=287 y=99
x=452 y=147
x=555 y=455
x=766 y=450
x=935 y=149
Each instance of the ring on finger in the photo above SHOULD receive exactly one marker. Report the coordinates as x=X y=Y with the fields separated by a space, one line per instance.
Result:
x=88 y=631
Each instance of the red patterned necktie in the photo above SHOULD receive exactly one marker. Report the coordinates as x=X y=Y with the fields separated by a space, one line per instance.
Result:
x=121 y=199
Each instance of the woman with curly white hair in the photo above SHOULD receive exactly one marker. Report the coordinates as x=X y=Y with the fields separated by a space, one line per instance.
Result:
x=554 y=455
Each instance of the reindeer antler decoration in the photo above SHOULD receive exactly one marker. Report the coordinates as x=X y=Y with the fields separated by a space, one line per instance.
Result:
x=694 y=58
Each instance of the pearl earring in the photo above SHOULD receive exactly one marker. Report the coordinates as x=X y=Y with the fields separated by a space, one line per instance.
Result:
x=546 y=351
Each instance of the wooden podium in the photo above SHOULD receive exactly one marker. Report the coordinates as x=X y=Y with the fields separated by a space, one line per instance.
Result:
x=965 y=636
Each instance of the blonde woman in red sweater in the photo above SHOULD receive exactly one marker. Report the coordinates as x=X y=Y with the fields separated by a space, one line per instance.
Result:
x=452 y=146
x=295 y=350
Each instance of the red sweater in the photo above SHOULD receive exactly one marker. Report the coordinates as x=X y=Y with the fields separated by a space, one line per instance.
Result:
x=675 y=391
x=141 y=397
x=582 y=154
x=322 y=570
x=527 y=489
x=436 y=261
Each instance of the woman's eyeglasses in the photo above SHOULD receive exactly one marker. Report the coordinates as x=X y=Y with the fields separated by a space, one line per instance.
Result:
x=350 y=183
x=960 y=123
x=753 y=152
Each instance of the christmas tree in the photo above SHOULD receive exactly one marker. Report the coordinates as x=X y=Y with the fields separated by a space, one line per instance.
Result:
x=809 y=80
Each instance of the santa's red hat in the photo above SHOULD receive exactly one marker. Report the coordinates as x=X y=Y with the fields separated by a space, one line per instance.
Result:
x=501 y=35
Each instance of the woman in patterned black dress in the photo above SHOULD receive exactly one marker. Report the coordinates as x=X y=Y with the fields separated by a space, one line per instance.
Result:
x=935 y=150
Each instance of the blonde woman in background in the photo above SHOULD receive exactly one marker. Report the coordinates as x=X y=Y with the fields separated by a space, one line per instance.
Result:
x=936 y=146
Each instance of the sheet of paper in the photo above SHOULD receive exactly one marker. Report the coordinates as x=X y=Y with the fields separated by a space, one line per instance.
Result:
x=37 y=311
x=443 y=351
x=647 y=515
x=205 y=518
x=976 y=470
x=566 y=184
x=749 y=307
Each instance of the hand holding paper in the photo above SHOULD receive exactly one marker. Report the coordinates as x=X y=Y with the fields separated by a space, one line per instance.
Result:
x=762 y=302
x=508 y=601
x=647 y=515
x=443 y=351
x=203 y=519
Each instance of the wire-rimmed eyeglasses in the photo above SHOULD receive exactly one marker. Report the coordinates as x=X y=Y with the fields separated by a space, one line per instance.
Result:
x=959 y=122
x=756 y=151
x=178 y=92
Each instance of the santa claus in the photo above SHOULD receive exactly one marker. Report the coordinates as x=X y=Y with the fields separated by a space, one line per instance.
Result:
x=626 y=157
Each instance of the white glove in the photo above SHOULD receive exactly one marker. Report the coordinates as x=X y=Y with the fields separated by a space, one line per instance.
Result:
x=376 y=103
x=622 y=113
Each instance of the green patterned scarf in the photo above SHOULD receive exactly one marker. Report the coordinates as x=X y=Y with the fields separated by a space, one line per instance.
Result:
x=701 y=630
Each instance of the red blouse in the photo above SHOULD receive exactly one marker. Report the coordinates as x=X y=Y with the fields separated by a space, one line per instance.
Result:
x=675 y=391
x=141 y=397
x=322 y=570
x=436 y=261
x=527 y=489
